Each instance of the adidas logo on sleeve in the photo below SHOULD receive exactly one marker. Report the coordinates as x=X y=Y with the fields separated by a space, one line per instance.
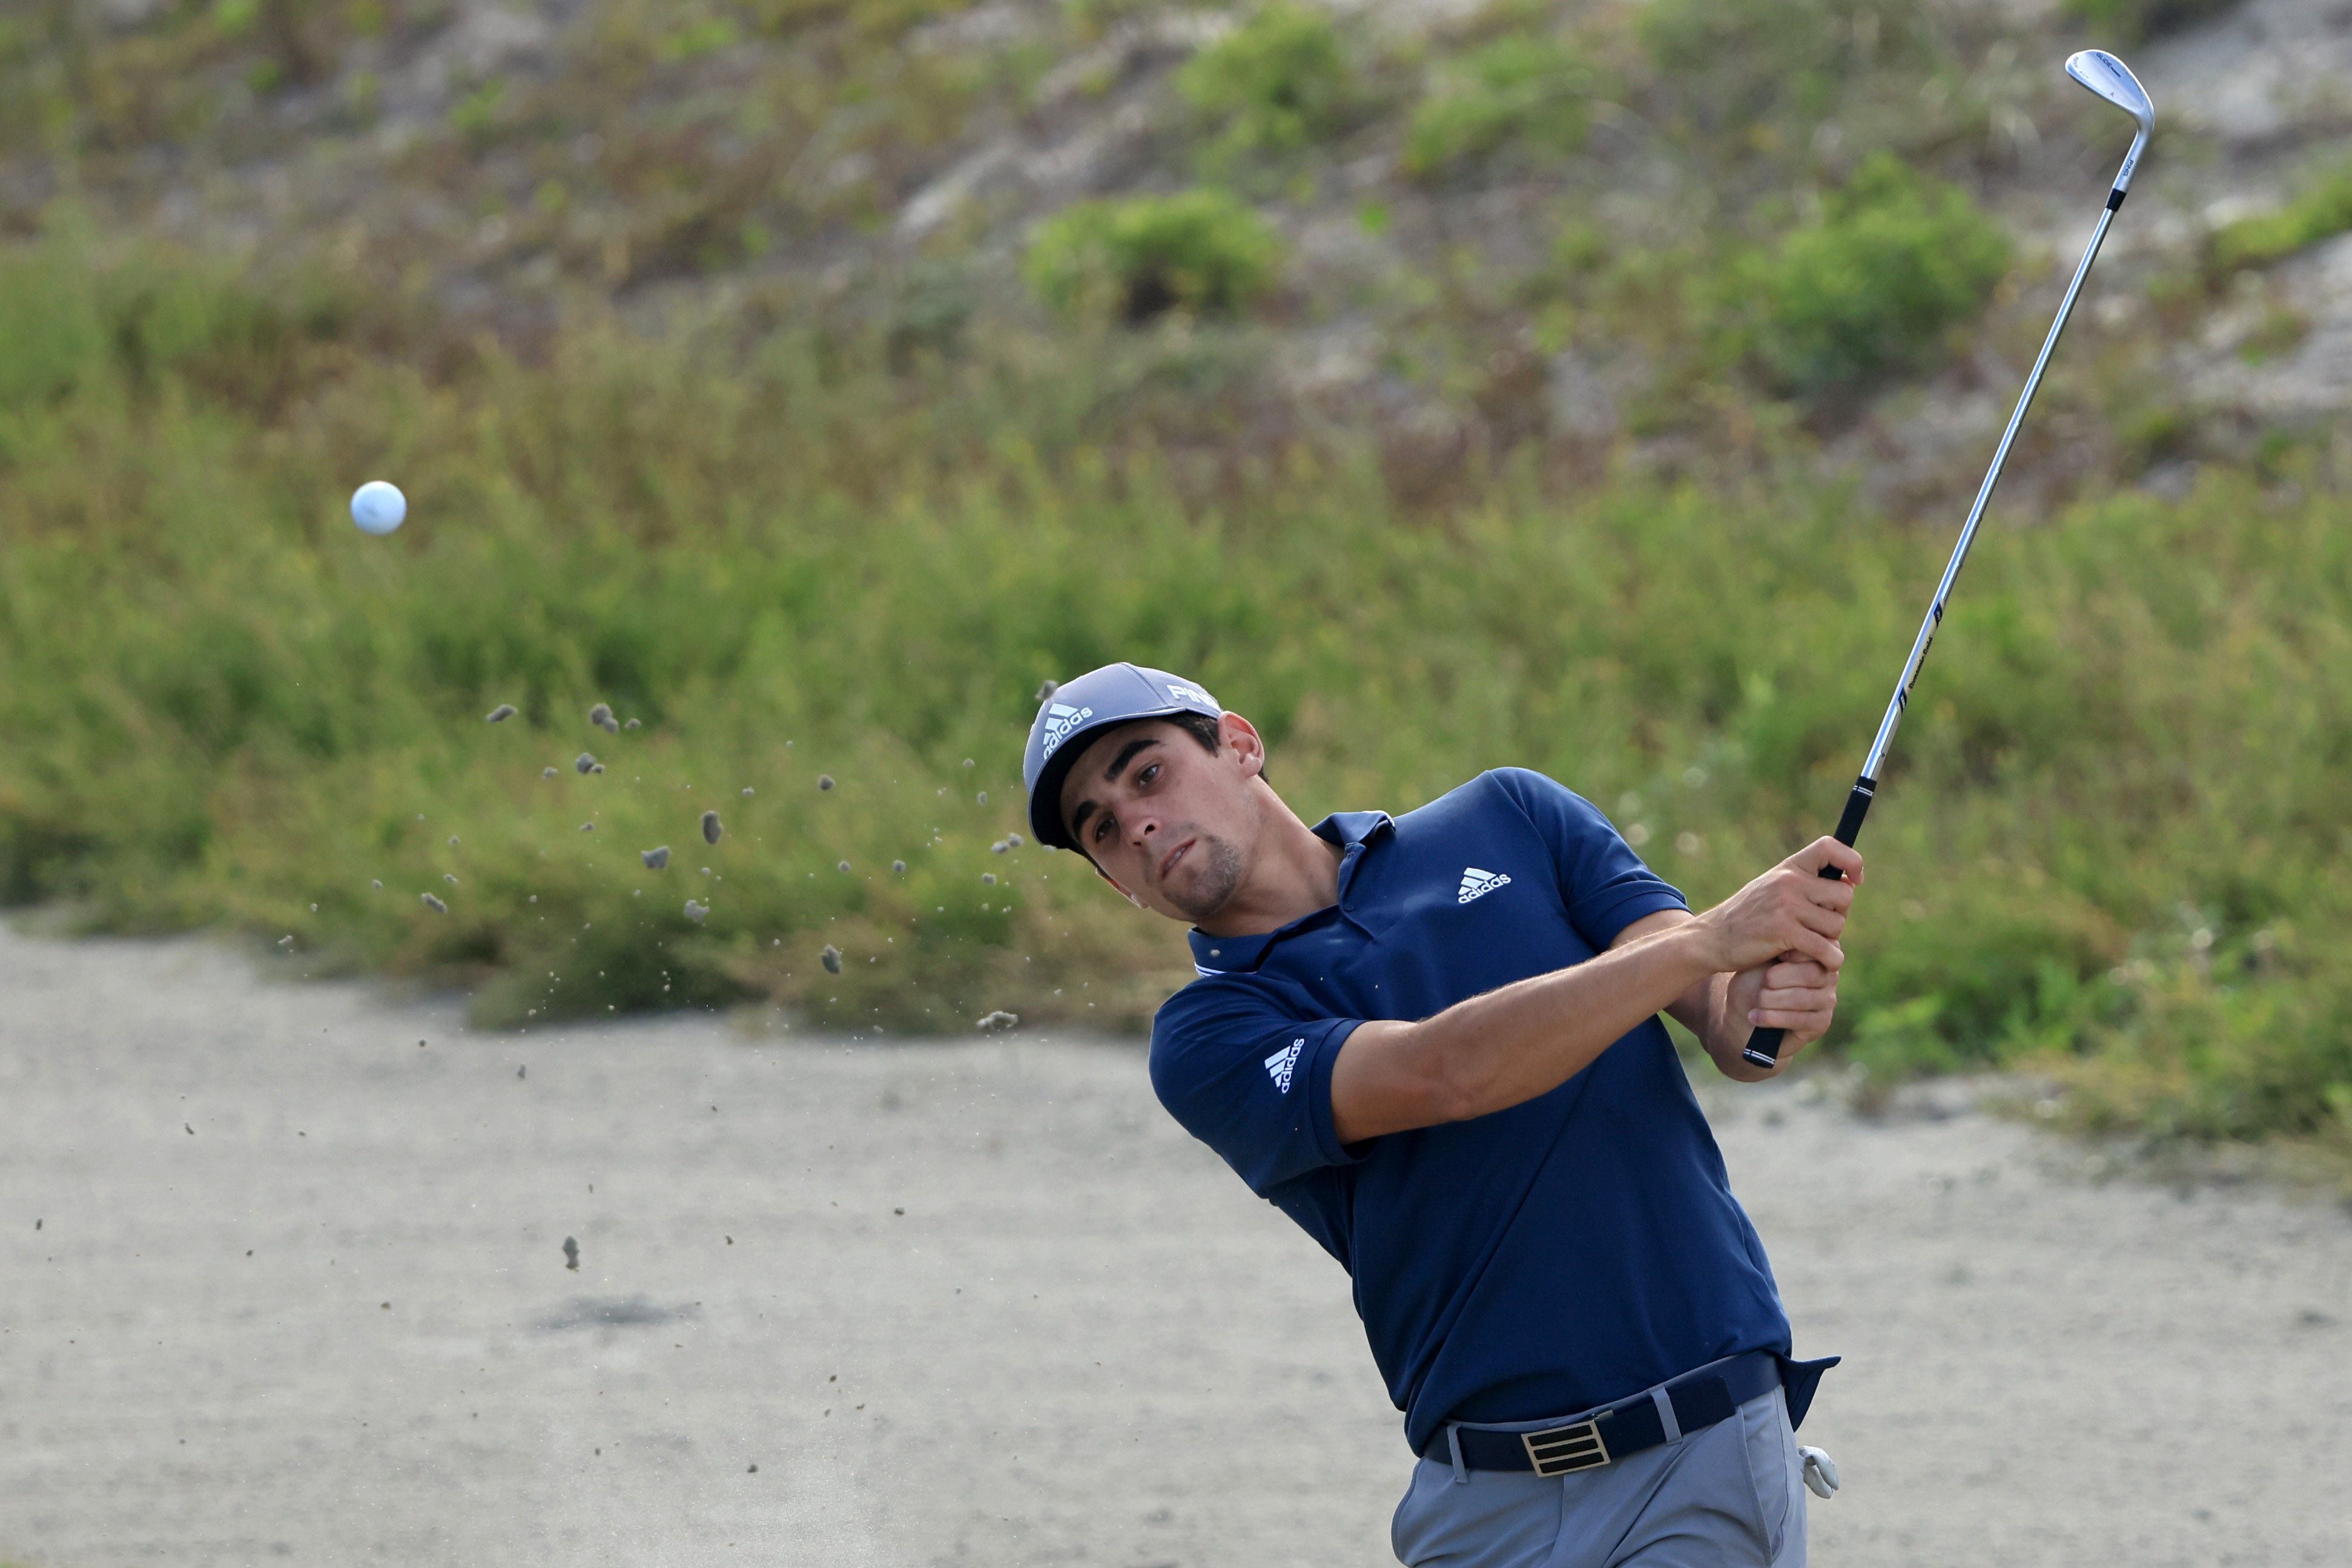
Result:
x=1476 y=883
x=1278 y=1065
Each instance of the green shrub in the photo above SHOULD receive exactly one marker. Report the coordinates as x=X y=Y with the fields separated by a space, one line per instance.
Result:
x=1518 y=87
x=1201 y=250
x=2321 y=210
x=1278 y=82
x=1898 y=259
x=1738 y=62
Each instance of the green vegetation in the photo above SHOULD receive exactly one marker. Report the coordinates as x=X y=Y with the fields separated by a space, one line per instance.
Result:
x=1277 y=83
x=1735 y=63
x=2111 y=847
x=2321 y=210
x=1898 y=259
x=1531 y=478
x=2114 y=22
x=1517 y=86
x=1200 y=250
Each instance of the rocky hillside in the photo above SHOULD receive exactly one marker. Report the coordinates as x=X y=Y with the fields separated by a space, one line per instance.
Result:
x=1599 y=233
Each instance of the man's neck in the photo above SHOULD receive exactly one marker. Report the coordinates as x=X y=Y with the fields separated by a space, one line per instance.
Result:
x=1292 y=875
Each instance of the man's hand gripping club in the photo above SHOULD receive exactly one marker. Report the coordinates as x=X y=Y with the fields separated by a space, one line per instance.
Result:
x=1766 y=955
x=1794 y=986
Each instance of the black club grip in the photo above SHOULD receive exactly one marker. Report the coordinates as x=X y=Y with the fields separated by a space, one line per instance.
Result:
x=1763 y=1047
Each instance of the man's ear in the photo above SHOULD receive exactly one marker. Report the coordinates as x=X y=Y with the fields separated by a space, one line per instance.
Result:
x=1241 y=737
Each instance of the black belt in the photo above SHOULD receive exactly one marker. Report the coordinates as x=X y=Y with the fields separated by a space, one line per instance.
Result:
x=1698 y=1399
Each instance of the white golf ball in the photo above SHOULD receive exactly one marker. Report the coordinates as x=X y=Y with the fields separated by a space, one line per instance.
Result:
x=378 y=507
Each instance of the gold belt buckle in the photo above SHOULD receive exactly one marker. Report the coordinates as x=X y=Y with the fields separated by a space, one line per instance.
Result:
x=1562 y=1450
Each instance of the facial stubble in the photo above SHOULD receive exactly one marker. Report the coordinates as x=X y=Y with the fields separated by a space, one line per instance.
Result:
x=1213 y=884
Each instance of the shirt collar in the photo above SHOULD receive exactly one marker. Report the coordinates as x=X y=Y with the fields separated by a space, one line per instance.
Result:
x=1353 y=831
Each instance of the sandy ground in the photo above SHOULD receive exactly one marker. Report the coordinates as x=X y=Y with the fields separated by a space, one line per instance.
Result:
x=298 y=1294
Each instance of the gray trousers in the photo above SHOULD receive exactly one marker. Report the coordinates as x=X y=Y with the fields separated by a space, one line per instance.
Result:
x=1732 y=1493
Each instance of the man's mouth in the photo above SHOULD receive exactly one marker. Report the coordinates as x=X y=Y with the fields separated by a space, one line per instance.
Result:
x=1167 y=864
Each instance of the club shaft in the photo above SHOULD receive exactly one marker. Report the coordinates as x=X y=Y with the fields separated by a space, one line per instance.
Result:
x=1920 y=645
x=1763 y=1048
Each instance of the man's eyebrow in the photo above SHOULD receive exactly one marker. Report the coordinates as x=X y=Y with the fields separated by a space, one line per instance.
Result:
x=1118 y=764
x=1126 y=755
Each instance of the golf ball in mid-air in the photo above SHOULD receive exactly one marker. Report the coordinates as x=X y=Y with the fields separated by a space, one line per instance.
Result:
x=378 y=507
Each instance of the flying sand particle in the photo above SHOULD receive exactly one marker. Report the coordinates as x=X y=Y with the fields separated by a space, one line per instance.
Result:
x=633 y=724
x=983 y=797
x=547 y=773
x=899 y=867
x=830 y=958
x=572 y=1254
x=825 y=780
x=694 y=912
x=843 y=868
x=453 y=841
x=710 y=828
x=587 y=827
x=987 y=879
x=584 y=762
x=377 y=883
x=1013 y=839
x=999 y=847
x=997 y=1021
x=522 y=1071
x=654 y=859
x=436 y=906
x=446 y=877
x=286 y=941
x=601 y=716
x=747 y=791
x=1045 y=692
x=502 y=713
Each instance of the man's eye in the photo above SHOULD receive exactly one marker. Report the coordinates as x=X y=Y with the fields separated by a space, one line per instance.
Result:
x=1148 y=774
x=1102 y=828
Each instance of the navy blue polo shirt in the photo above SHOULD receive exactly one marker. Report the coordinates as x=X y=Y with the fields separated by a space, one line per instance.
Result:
x=1532 y=1262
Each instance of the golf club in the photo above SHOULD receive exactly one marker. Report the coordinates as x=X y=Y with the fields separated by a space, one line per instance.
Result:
x=2111 y=79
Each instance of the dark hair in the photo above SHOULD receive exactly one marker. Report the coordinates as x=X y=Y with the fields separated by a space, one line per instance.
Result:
x=1205 y=730
x=1200 y=727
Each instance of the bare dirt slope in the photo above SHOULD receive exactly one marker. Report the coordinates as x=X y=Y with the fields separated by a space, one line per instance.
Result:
x=1082 y=1341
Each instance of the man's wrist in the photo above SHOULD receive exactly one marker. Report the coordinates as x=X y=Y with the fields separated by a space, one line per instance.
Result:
x=1692 y=950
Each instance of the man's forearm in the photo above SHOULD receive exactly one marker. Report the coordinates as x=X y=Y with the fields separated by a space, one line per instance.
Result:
x=1510 y=1045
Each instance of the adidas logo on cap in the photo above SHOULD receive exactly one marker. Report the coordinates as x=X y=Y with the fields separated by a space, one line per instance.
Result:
x=1060 y=719
x=1476 y=883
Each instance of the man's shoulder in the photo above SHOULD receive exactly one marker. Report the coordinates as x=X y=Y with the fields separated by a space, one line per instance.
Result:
x=1209 y=1003
x=1520 y=790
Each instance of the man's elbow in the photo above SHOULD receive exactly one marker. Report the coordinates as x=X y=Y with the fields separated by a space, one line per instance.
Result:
x=1456 y=1083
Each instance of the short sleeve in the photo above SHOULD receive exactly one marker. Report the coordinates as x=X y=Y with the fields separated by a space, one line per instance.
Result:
x=1249 y=1079
x=1603 y=882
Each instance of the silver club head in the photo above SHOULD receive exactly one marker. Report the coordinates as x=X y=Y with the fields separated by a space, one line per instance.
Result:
x=2111 y=80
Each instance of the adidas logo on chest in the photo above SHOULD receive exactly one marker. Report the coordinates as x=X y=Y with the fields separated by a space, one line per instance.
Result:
x=1477 y=883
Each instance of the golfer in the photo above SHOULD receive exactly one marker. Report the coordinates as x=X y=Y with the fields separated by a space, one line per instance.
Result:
x=1433 y=1041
